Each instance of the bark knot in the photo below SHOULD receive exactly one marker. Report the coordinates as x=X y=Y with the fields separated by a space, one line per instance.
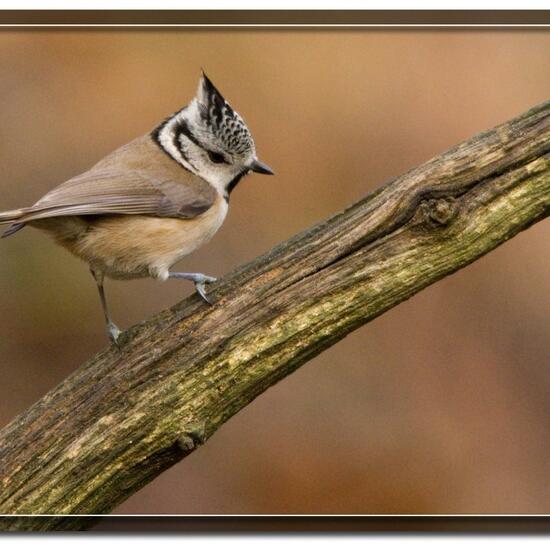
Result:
x=192 y=436
x=439 y=212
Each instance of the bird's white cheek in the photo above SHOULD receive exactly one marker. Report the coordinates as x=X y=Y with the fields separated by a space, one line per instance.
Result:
x=219 y=176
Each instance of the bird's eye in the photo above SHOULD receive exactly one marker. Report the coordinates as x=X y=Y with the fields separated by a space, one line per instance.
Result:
x=216 y=158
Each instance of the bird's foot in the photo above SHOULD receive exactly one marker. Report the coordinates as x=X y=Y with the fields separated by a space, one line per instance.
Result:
x=200 y=280
x=114 y=332
x=199 y=286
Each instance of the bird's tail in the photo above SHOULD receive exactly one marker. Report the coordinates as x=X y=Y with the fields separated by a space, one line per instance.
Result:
x=12 y=217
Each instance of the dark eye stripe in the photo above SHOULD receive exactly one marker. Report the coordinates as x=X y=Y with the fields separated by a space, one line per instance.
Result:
x=216 y=158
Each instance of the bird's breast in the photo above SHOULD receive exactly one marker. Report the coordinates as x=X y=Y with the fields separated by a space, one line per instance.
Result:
x=137 y=246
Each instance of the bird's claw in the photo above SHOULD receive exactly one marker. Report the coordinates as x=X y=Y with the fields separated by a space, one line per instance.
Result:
x=114 y=333
x=199 y=285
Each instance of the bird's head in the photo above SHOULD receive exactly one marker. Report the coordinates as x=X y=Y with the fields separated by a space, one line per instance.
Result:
x=210 y=139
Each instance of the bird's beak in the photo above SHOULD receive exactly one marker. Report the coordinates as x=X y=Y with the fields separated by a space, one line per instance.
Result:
x=261 y=168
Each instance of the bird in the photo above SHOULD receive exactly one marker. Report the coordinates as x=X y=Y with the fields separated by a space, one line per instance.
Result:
x=153 y=201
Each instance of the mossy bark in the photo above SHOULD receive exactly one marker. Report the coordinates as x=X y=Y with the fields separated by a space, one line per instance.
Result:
x=127 y=415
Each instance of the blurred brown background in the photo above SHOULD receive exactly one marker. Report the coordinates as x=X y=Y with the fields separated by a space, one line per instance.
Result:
x=439 y=406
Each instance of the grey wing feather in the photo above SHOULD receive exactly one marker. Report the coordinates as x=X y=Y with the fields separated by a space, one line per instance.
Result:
x=114 y=192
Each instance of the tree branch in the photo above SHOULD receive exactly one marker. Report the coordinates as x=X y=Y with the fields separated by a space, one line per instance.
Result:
x=125 y=416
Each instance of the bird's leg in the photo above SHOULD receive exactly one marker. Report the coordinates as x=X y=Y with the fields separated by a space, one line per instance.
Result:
x=112 y=330
x=198 y=278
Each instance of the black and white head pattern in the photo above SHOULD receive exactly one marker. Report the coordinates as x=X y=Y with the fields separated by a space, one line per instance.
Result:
x=208 y=138
x=221 y=122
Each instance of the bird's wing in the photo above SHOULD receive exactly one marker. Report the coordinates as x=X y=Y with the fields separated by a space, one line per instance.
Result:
x=111 y=191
